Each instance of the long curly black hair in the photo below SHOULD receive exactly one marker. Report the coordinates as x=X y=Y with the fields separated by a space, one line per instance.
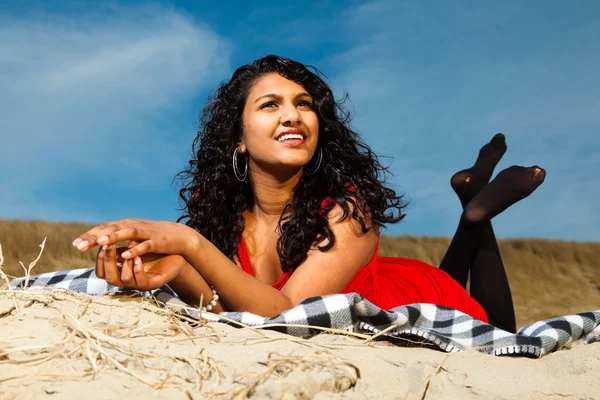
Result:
x=350 y=174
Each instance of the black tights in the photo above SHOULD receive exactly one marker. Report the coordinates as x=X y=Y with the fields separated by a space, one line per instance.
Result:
x=474 y=249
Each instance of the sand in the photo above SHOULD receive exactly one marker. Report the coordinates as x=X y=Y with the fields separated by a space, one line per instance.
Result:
x=62 y=345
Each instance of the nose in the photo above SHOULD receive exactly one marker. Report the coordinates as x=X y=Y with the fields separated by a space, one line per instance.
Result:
x=290 y=115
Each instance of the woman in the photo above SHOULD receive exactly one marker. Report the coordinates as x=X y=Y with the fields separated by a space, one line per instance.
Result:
x=284 y=202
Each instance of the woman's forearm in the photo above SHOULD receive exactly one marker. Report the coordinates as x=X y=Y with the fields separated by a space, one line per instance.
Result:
x=239 y=290
x=191 y=287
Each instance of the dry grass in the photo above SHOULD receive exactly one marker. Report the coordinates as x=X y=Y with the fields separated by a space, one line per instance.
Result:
x=548 y=277
x=90 y=348
x=107 y=346
x=21 y=239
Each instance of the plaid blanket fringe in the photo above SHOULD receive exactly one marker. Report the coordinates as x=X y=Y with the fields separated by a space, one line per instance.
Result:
x=448 y=329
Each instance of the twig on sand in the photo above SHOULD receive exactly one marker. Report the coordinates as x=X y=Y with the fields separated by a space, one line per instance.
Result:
x=87 y=332
x=49 y=375
x=380 y=333
x=318 y=328
x=20 y=349
x=91 y=357
x=298 y=341
x=430 y=377
x=32 y=264
x=27 y=272
x=7 y=339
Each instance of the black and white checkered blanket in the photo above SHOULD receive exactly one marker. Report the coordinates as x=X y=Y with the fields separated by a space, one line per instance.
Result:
x=448 y=329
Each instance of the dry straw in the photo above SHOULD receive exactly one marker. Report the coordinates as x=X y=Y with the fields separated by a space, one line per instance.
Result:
x=101 y=347
x=91 y=349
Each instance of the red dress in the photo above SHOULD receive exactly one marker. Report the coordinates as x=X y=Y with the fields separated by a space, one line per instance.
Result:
x=390 y=282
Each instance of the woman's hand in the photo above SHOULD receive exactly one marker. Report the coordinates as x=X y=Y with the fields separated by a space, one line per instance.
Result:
x=148 y=272
x=153 y=237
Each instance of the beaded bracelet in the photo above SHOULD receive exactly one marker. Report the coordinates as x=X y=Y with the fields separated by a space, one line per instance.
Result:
x=213 y=302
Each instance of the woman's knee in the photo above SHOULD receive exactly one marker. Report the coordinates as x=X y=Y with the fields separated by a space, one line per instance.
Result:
x=473 y=215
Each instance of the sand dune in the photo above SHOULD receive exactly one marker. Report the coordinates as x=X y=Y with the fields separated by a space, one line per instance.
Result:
x=60 y=345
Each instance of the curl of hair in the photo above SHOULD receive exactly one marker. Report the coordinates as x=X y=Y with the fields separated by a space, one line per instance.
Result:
x=350 y=175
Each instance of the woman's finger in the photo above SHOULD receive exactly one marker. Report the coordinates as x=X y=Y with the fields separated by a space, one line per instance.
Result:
x=83 y=236
x=121 y=250
x=148 y=280
x=127 y=274
x=139 y=250
x=100 y=263
x=125 y=233
x=127 y=268
x=141 y=278
x=90 y=238
x=111 y=270
x=82 y=240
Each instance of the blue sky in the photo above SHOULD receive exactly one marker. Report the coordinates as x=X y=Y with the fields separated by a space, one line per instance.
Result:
x=99 y=101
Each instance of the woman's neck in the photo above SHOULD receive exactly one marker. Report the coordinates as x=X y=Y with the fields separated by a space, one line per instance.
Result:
x=271 y=194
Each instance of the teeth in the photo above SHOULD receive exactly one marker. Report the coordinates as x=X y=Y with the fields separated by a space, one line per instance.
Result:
x=290 y=136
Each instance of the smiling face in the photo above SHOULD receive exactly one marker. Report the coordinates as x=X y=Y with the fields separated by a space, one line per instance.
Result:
x=281 y=130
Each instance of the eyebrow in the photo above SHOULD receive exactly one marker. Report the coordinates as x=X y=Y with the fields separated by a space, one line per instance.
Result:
x=278 y=97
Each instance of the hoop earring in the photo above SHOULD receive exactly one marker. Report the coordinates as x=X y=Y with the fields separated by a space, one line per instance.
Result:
x=316 y=168
x=240 y=177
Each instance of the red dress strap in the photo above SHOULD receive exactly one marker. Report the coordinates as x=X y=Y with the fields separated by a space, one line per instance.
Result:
x=243 y=256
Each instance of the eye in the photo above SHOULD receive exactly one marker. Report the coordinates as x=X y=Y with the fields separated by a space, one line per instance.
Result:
x=268 y=104
x=304 y=103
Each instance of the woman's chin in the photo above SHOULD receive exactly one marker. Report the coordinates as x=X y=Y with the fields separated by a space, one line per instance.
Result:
x=292 y=163
x=283 y=169
x=285 y=166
